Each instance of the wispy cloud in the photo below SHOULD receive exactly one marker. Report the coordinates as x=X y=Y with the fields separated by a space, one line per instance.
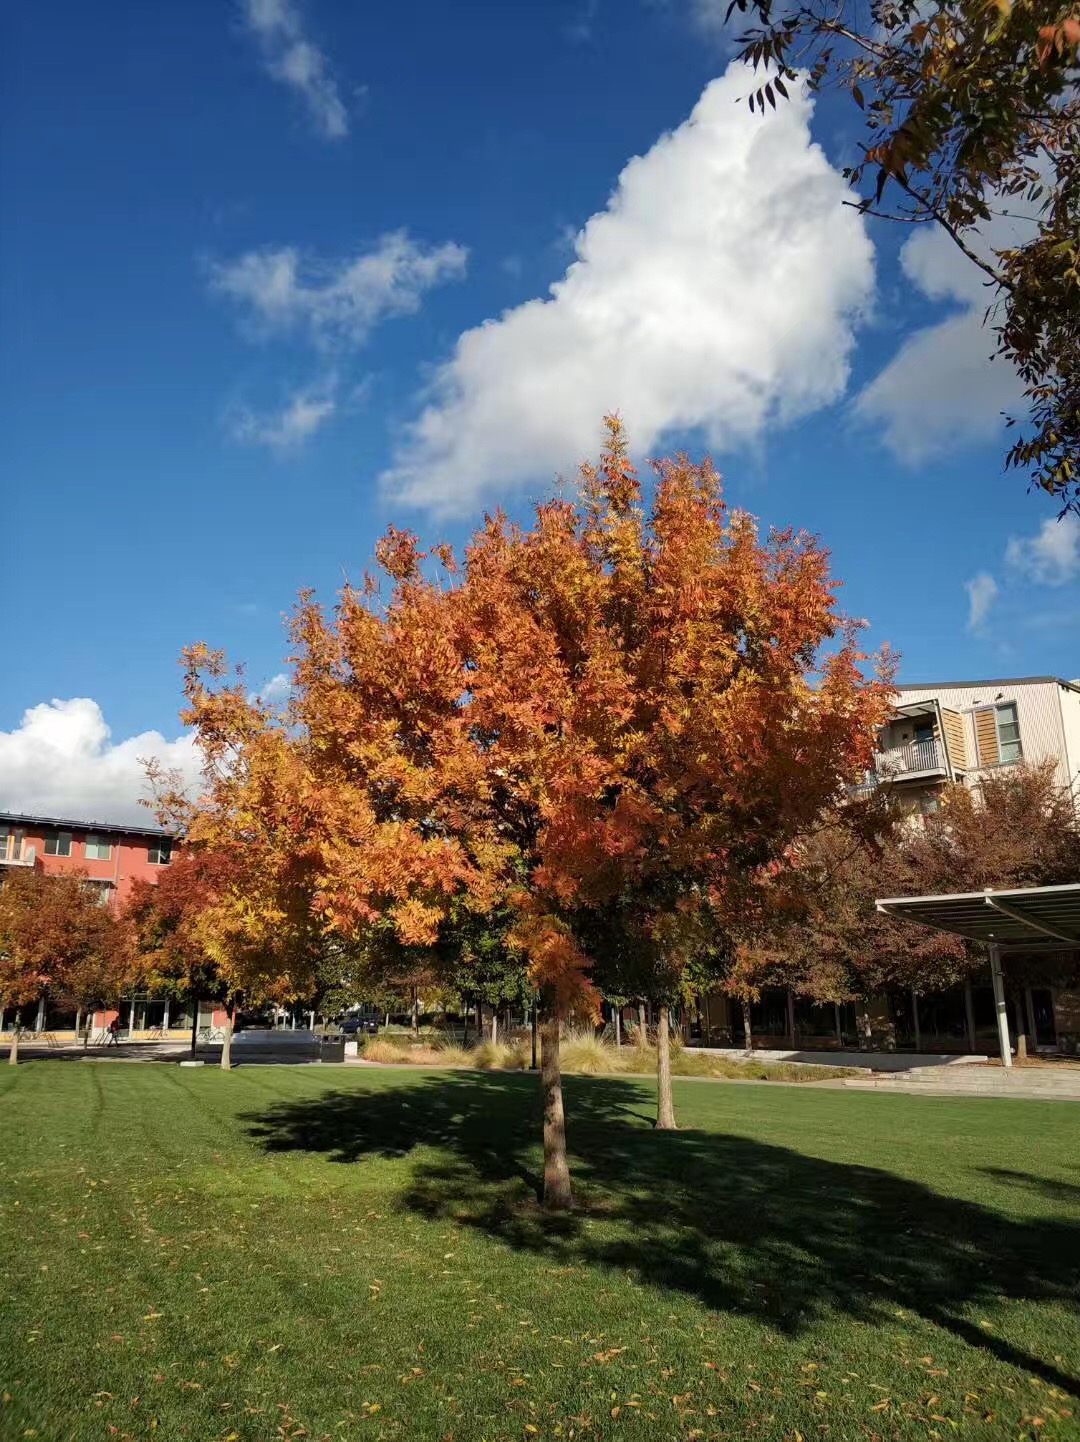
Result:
x=336 y=302
x=1050 y=557
x=982 y=593
x=288 y=428
x=296 y=61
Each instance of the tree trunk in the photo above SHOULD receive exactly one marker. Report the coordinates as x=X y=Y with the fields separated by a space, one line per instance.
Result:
x=78 y=1023
x=194 y=1026
x=618 y=1026
x=226 y=1045
x=465 y=1033
x=494 y=1026
x=1021 y=1028
x=558 y=1196
x=642 y=1029
x=748 y=1035
x=665 y=1110
x=13 y=1054
x=415 y=1020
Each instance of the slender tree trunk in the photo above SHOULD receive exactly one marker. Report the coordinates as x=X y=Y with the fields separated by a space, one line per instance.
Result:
x=494 y=1026
x=558 y=1196
x=13 y=1053
x=665 y=1110
x=618 y=1026
x=194 y=1026
x=78 y=1022
x=415 y=1020
x=465 y=1033
x=226 y=1045
x=1021 y=1028
x=748 y=1035
x=642 y=1029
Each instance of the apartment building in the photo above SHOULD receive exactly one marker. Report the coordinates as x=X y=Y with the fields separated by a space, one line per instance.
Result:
x=112 y=857
x=961 y=730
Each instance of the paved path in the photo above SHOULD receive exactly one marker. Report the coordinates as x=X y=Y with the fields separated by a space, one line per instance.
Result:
x=1054 y=1083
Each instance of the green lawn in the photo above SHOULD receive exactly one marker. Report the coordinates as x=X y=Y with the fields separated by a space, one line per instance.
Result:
x=331 y=1253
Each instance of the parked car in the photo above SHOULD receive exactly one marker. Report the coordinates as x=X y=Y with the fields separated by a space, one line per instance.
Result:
x=360 y=1025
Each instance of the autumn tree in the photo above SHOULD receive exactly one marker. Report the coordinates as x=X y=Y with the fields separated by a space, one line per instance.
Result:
x=605 y=704
x=168 y=920
x=668 y=700
x=970 y=121
x=56 y=937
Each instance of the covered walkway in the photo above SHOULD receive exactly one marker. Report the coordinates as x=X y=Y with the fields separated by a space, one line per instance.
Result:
x=1027 y=919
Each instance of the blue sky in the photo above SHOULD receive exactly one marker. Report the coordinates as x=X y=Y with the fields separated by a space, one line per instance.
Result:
x=244 y=253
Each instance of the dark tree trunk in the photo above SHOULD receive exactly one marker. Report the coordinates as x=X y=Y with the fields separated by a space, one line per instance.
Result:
x=748 y=1035
x=665 y=1109
x=194 y=1025
x=558 y=1196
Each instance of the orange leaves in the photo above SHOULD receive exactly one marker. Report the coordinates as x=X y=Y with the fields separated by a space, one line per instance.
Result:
x=609 y=706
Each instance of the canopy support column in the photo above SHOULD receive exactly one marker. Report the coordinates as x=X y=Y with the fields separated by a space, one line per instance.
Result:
x=999 y=1005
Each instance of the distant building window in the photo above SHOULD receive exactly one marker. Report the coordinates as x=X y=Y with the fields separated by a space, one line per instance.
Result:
x=159 y=853
x=99 y=890
x=1008 y=733
x=58 y=844
x=929 y=804
x=98 y=848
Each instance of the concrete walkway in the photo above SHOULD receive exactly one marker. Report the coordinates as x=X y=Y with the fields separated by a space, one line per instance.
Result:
x=875 y=1061
x=1059 y=1083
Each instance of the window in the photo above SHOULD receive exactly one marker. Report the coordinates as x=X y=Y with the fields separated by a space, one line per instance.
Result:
x=99 y=890
x=929 y=804
x=159 y=853
x=98 y=848
x=8 y=843
x=58 y=844
x=1008 y=733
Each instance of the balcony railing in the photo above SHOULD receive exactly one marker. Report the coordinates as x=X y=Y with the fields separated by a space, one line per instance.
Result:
x=917 y=756
x=16 y=853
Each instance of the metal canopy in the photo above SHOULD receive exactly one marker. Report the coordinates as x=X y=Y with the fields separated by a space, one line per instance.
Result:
x=1007 y=919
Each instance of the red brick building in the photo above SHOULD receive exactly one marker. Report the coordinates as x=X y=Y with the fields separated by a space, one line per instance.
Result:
x=113 y=857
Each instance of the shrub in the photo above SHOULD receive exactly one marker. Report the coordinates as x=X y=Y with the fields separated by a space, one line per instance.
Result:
x=379 y=1048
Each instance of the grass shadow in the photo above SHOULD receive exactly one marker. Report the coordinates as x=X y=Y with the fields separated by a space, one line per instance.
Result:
x=742 y=1225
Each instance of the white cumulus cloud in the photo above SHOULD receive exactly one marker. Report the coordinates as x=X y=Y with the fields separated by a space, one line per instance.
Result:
x=339 y=301
x=287 y=429
x=718 y=289
x=1052 y=555
x=295 y=60
x=982 y=593
x=62 y=761
x=944 y=388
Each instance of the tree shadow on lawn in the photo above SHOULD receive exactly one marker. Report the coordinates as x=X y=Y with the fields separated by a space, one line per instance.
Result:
x=742 y=1225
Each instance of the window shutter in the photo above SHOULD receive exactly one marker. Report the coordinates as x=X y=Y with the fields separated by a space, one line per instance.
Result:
x=986 y=739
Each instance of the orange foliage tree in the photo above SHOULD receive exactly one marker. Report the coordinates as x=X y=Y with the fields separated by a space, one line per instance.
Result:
x=57 y=938
x=606 y=704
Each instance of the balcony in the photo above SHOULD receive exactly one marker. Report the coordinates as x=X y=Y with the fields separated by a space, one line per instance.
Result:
x=14 y=852
x=918 y=759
